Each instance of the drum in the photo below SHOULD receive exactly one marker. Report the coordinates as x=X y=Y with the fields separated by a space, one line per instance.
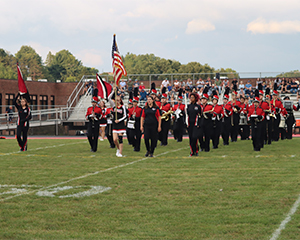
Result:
x=243 y=120
x=282 y=122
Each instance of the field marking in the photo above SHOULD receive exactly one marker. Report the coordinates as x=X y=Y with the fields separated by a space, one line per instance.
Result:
x=39 y=148
x=286 y=220
x=88 y=175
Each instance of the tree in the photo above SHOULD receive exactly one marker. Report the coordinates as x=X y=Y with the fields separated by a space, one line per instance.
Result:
x=30 y=63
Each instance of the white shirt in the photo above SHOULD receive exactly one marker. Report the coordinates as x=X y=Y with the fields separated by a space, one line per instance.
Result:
x=165 y=83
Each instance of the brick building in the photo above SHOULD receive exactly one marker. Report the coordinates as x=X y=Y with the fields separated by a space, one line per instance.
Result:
x=43 y=94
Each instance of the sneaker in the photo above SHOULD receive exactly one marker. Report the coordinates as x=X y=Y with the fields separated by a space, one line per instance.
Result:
x=118 y=152
x=150 y=155
x=119 y=155
x=101 y=139
x=147 y=154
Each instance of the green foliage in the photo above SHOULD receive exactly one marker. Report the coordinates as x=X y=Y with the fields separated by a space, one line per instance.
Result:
x=291 y=74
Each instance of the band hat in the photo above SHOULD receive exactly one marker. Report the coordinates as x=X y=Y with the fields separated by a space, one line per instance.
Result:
x=135 y=99
x=95 y=99
x=164 y=95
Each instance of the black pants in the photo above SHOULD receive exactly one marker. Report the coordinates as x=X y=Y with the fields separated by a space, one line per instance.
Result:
x=234 y=129
x=22 y=136
x=178 y=128
x=134 y=135
x=93 y=134
x=268 y=130
x=226 y=124
x=263 y=132
x=276 y=128
x=150 y=137
x=109 y=135
x=207 y=127
x=216 y=132
x=163 y=135
x=244 y=131
x=290 y=122
x=194 y=132
x=256 y=128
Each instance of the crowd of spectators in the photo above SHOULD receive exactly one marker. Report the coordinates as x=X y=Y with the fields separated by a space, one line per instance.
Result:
x=245 y=88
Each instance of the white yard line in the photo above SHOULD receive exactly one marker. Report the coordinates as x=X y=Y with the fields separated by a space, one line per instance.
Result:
x=88 y=175
x=39 y=148
x=286 y=220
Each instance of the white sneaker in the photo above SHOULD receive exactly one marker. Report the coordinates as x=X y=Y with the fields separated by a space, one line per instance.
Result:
x=118 y=152
x=101 y=139
x=119 y=155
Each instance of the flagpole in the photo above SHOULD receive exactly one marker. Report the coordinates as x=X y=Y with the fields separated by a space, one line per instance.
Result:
x=114 y=74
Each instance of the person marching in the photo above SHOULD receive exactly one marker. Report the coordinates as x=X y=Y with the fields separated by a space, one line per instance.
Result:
x=128 y=123
x=207 y=124
x=150 y=125
x=264 y=106
x=194 y=113
x=269 y=117
x=93 y=115
x=103 y=120
x=290 y=120
x=119 y=114
x=255 y=116
x=235 y=117
x=278 y=109
x=178 y=111
x=243 y=124
x=226 y=120
x=24 y=115
x=134 y=122
x=216 y=120
x=166 y=112
x=109 y=128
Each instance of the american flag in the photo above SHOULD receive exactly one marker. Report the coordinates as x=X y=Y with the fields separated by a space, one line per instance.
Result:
x=118 y=66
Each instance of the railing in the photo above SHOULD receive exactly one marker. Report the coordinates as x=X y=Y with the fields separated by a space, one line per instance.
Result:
x=39 y=117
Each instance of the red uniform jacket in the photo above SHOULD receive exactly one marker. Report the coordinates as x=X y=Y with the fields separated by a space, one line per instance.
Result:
x=207 y=111
x=97 y=112
x=218 y=111
x=134 y=112
x=256 y=111
x=227 y=109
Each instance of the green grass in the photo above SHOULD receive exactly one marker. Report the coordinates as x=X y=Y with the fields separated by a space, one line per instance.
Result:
x=228 y=193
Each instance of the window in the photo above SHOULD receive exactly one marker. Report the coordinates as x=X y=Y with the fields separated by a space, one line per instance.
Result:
x=34 y=102
x=9 y=99
x=44 y=101
x=52 y=101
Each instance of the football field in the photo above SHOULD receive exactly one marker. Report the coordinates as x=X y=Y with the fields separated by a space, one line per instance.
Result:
x=58 y=189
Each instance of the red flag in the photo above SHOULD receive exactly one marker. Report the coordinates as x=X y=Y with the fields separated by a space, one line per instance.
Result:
x=104 y=88
x=21 y=83
x=118 y=66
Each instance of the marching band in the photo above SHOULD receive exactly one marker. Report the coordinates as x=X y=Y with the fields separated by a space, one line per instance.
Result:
x=264 y=120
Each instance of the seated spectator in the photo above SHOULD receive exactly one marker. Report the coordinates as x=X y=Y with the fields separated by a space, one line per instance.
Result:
x=294 y=87
x=289 y=83
x=182 y=83
x=143 y=95
x=189 y=83
x=9 y=113
x=130 y=85
x=225 y=83
x=164 y=83
x=200 y=83
x=218 y=84
x=177 y=84
x=241 y=85
x=169 y=87
x=278 y=82
x=283 y=86
x=248 y=87
x=122 y=84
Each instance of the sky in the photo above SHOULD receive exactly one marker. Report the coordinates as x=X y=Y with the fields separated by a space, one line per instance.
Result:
x=247 y=36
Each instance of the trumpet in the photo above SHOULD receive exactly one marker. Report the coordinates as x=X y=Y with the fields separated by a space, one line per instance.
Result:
x=166 y=115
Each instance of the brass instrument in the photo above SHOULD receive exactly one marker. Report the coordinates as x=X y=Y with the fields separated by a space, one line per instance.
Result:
x=166 y=115
x=209 y=111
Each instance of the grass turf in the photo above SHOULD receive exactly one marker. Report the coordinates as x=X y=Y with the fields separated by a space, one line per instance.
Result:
x=228 y=193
